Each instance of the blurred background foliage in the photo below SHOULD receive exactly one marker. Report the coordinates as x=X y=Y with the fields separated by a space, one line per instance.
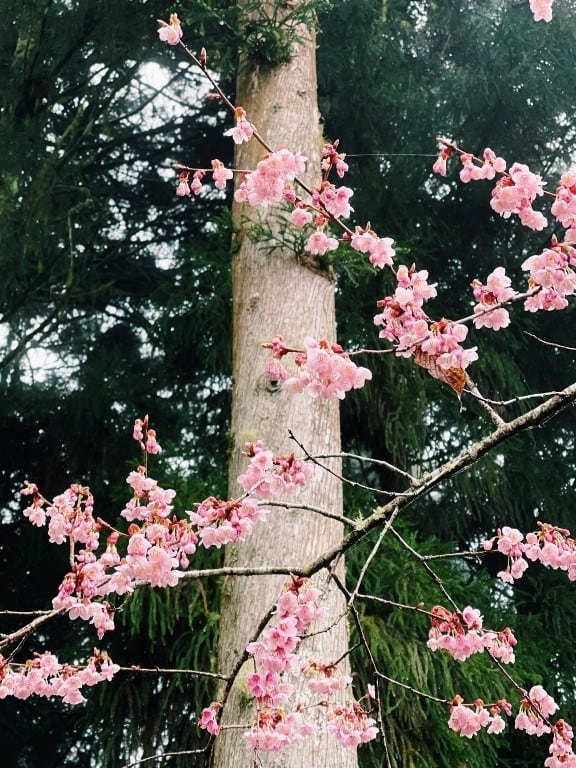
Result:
x=115 y=302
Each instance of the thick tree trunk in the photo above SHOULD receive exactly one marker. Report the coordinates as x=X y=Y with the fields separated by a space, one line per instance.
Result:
x=278 y=292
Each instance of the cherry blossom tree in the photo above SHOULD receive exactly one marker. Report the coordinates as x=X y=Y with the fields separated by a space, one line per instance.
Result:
x=283 y=675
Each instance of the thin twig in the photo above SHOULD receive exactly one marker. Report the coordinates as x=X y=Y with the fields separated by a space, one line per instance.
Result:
x=162 y=671
x=550 y=343
x=369 y=459
x=339 y=477
x=165 y=755
x=367 y=562
x=453 y=555
x=309 y=508
x=475 y=392
x=433 y=575
x=517 y=399
x=27 y=629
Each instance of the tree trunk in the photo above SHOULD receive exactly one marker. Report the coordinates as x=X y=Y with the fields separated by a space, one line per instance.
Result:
x=279 y=292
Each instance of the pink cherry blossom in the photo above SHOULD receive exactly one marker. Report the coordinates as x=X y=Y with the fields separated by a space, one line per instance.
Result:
x=325 y=370
x=207 y=719
x=542 y=9
x=300 y=217
x=170 y=33
x=182 y=190
x=552 y=274
x=220 y=174
x=319 y=243
x=564 y=207
x=515 y=193
x=380 y=250
x=196 y=186
x=44 y=676
x=243 y=130
x=351 y=725
x=333 y=159
x=496 y=291
x=270 y=476
x=468 y=722
x=440 y=166
x=491 y=165
x=335 y=200
x=266 y=184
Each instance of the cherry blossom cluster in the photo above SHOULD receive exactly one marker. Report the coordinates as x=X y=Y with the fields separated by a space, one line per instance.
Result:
x=541 y=9
x=157 y=545
x=462 y=635
x=271 y=476
x=145 y=436
x=379 y=249
x=533 y=717
x=275 y=726
x=224 y=522
x=535 y=709
x=270 y=181
x=436 y=346
x=561 y=752
x=351 y=725
x=330 y=203
x=45 y=676
x=208 y=718
x=324 y=369
x=515 y=190
x=488 y=312
x=549 y=545
x=323 y=680
x=564 y=206
x=468 y=720
x=551 y=277
x=220 y=176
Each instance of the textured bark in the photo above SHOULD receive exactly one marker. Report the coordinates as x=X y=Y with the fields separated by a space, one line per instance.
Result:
x=279 y=292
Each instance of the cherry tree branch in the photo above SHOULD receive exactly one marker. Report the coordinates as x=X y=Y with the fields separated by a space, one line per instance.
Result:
x=352 y=483
x=309 y=508
x=20 y=634
x=550 y=343
x=164 y=755
x=368 y=459
x=467 y=458
x=162 y=671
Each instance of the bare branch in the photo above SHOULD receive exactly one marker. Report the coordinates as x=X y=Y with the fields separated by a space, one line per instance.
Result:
x=475 y=392
x=433 y=575
x=309 y=508
x=27 y=629
x=467 y=458
x=378 y=462
x=342 y=479
x=550 y=343
x=164 y=755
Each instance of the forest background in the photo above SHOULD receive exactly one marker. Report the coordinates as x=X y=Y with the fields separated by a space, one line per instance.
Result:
x=116 y=302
